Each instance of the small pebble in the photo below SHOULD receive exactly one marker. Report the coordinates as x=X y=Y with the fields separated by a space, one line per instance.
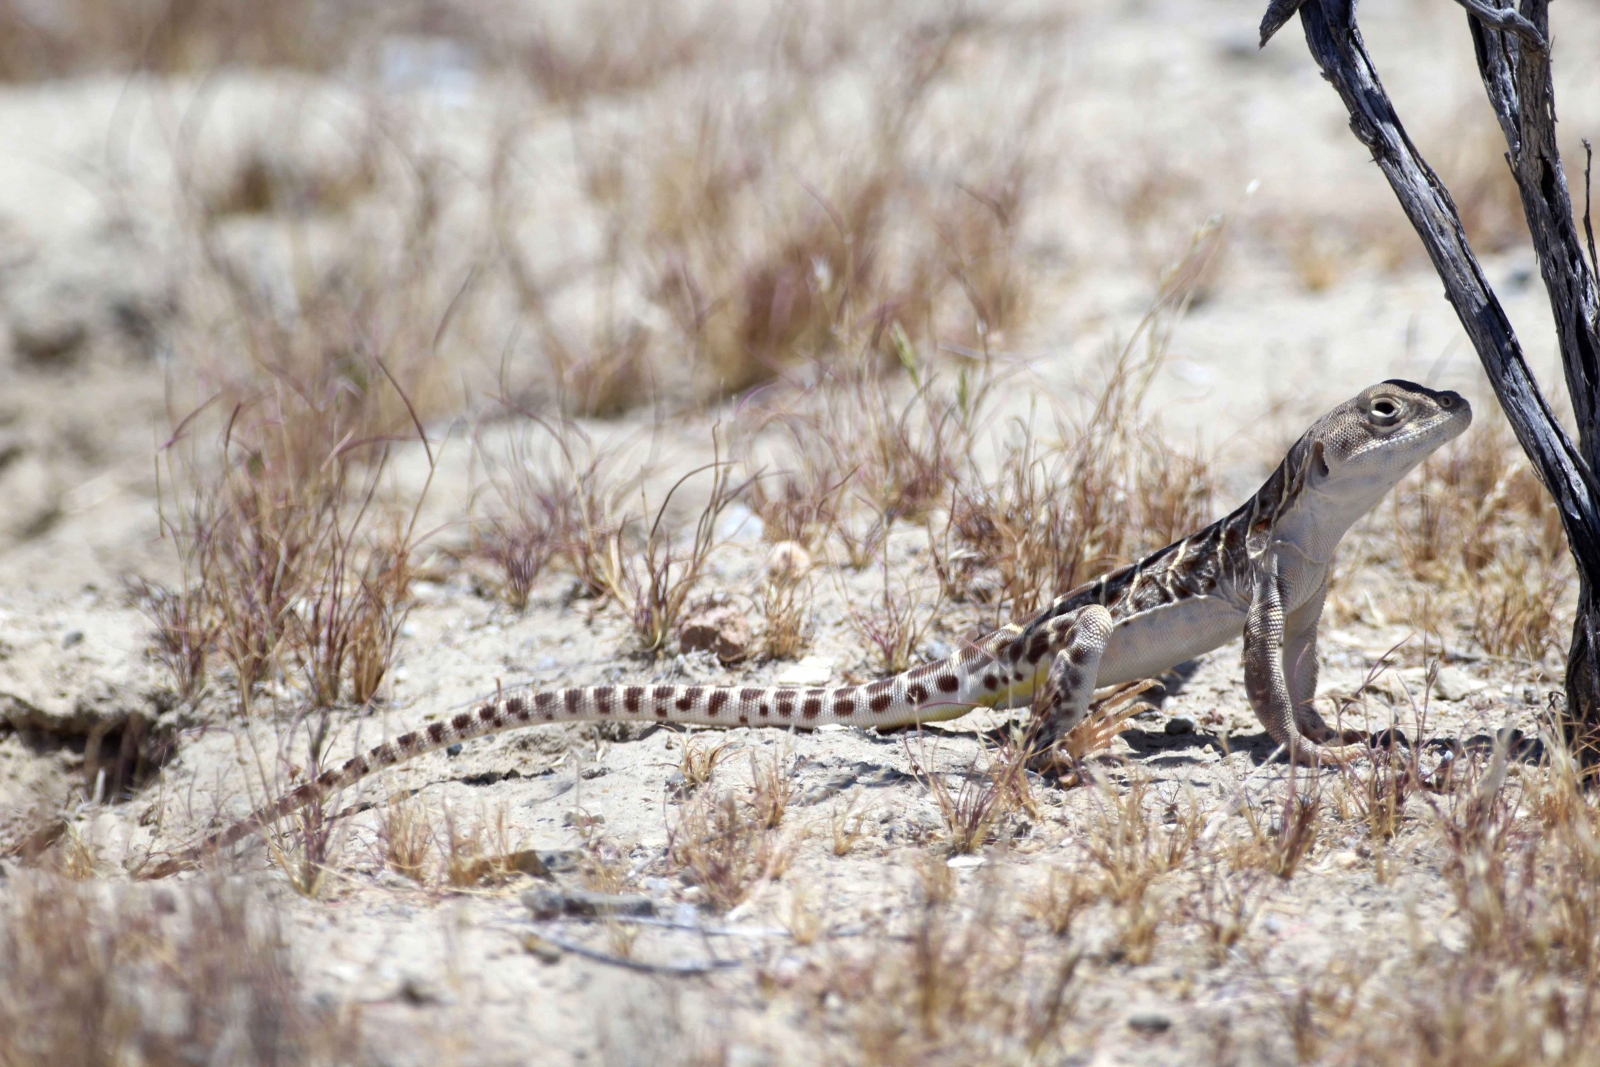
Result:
x=1149 y=1022
x=453 y=750
x=71 y=637
x=787 y=562
x=541 y=949
x=1180 y=724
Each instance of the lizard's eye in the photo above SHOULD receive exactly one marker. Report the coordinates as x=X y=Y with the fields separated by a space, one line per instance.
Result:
x=1384 y=411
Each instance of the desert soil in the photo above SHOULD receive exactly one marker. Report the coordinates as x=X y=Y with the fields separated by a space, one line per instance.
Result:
x=92 y=256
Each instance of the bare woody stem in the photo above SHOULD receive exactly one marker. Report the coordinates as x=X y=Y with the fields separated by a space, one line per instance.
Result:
x=1513 y=58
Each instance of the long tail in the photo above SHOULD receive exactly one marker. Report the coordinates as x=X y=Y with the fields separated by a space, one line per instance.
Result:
x=942 y=690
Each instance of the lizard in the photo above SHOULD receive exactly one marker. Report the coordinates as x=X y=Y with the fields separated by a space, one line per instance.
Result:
x=1260 y=571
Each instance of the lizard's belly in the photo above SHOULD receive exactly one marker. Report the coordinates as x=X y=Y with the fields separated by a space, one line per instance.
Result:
x=1145 y=646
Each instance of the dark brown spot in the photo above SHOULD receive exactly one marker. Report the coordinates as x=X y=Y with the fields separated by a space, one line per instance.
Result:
x=719 y=697
x=750 y=696
x=661 y=711
x=880 y=702
x=631 y=697
x=844 y=707
x=923 y=671
x=487 y=712
x=542 y=701
x=811 y=708
x=990 y=682
x=765 y=710
x=1040 y=645
x=1078 y=654
x=662 y=692
x=327 y=777
x=847 y=691
x=436 y=732
x=516 y=707
x=948 y=683
x=785 y=707
x=1074 y=679
x=917 y=693
x=602 y=699
x=462 y=721
x=407 y=741
x=357 y=766
x=690 y=695
x=572 y=698
x=744 y=720
x=879 y=687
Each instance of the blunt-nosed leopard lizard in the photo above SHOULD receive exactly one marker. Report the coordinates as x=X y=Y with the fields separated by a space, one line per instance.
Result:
x=1261 y=571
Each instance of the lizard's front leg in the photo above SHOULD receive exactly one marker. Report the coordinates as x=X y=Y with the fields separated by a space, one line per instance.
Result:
x=1265 y=681
x=1300 y=666
x=1076 y=642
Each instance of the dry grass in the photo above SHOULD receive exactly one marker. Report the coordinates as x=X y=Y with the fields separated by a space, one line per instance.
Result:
x=406 y=837
x=154 y=978
x=485 y=849
x=656 y=584
x=564 y=501
x=1282 y=835
x=987 y=805
x=721 y=845
x=1062 y=900
x=893 y=625
x=1520 y=859
x=846 y=826
x=959 y=987
x=772 y=787
x=699 y=758
x=1108 y=489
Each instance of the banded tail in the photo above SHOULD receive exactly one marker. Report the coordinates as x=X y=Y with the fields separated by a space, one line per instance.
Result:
x=989 y=673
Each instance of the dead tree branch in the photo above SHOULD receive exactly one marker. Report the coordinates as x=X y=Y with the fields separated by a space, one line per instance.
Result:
x=1514 y=61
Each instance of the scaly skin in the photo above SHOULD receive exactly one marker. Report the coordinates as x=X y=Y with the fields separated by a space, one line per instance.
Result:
x=1261 y=571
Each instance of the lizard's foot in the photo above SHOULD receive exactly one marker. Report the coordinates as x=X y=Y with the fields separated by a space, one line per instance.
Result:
x=1314 y=728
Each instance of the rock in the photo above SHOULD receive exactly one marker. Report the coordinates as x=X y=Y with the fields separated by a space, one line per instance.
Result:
x=419 y=991
x=1149 y=1022
x=788 y=562
x=551 y=903
x=1453 y=683
x=527 y=861
x=48 y=332
x=1180 y=724
x=33 y=492
x=1392 y=738
x=542 y=950
x=812 y=670
x=68 y=689
x=561 y=860
x=453 y=750
x=722 y=630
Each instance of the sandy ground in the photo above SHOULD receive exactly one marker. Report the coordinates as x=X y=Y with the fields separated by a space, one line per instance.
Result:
x=91 y=254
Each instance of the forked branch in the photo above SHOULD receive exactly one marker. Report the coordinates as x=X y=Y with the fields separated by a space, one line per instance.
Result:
x=1513 y=58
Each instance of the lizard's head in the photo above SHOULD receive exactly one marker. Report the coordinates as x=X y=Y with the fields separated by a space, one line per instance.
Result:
x=1370 y=442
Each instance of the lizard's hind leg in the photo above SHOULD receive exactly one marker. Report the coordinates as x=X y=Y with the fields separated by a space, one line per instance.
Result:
x=1078 y=641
